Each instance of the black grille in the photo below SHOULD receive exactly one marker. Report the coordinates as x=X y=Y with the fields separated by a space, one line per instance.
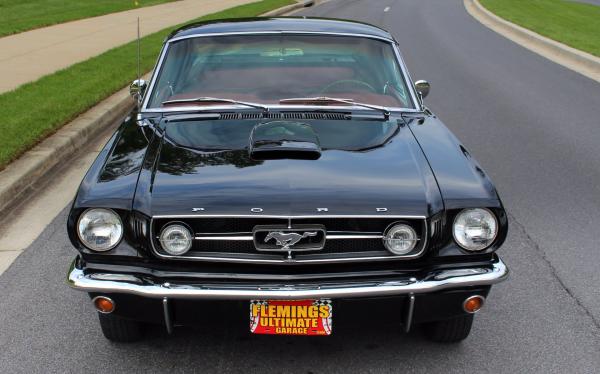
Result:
x=220 y=225
x=366 y=235
x=363 y=245
x=246 y=225
x=247 y=247
x=231 y=246
x=374 y=225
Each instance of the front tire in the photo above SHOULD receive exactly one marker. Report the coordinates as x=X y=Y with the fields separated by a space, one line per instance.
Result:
x=119 y=329
x=450 y=330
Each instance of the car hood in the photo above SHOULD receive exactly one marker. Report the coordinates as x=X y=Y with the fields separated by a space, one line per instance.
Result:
x=392 y=179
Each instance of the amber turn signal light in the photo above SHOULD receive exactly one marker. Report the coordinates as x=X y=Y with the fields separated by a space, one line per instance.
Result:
x=473 y=304
x=103 y=304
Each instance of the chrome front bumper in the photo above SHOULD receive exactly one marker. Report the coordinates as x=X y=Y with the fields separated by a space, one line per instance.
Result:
x=434 y=281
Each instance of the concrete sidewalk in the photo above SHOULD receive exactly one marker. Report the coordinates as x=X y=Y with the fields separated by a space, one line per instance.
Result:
x=30 y=55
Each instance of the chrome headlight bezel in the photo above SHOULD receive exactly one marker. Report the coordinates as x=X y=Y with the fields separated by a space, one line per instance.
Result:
x=92 y=246
x=400 y=226
x=483 y=246
x=174 y=226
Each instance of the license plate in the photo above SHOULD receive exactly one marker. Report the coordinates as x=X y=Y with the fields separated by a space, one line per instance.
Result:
x=291 y=317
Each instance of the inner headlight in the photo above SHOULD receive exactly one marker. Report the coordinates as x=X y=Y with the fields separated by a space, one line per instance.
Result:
x=176 y=239
x=100 y=229
x=400 y=239
x=475 y=229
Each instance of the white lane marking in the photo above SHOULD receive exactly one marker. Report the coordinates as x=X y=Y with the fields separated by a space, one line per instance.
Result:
x=387 y=9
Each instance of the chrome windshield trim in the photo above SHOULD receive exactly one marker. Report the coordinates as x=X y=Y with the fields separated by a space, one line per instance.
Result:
x=324 y=108
x=433 y=281
x=407 y=78
x=409 y=83
x=281 y=32
x=155 y=73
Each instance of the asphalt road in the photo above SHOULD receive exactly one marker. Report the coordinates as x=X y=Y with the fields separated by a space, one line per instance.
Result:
x=595 y=2
x=533 y=125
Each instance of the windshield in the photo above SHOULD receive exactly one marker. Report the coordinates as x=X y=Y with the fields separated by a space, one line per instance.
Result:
x=268 y=68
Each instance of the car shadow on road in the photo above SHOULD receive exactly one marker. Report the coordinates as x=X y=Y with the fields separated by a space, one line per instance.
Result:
x=227 y=344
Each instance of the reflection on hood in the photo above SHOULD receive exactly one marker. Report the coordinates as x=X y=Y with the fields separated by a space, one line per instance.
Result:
x=351 y=135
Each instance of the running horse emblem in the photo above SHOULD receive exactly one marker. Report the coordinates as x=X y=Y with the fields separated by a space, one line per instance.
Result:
x=288 y=239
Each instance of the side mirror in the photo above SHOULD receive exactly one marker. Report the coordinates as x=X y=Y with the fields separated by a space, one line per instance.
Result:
x=422 y=88
x=137 y=89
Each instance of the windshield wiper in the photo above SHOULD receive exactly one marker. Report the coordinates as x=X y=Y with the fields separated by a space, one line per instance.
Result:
x=205 y=99
x=323 y=99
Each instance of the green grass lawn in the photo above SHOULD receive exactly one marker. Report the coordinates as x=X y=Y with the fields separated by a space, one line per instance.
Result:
x=572 y=23
x=22 y=15
x=35 y=110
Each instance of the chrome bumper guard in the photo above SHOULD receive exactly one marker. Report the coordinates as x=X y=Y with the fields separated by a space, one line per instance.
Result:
x=434 y=281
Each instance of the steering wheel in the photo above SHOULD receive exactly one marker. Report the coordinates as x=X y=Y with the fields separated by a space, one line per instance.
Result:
x=348 y=81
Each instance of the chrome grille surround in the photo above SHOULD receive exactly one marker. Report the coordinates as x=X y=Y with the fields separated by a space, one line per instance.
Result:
x=334 y=251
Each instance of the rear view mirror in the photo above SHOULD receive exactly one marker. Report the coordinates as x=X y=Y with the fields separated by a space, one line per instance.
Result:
x=422 y=88
x=137 y=89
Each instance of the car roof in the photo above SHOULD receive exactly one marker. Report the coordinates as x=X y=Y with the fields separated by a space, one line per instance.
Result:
x=279 y=24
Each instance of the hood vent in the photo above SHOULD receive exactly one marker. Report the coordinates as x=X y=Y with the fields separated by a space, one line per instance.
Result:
x=287 y=115
x=284 y=139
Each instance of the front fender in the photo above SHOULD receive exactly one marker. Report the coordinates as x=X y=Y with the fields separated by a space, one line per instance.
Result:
x=462 y=181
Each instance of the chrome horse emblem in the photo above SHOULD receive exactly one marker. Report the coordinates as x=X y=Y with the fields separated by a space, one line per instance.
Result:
x=287 y=239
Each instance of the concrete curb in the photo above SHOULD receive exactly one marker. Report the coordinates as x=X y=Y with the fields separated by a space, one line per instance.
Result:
x=288 y=8
x=19 y=178
x=571 y=58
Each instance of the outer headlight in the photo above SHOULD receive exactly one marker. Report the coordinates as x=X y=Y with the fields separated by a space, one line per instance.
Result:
x=400 y=239
x=475 y=229
x=176 y=239
x=100 y=229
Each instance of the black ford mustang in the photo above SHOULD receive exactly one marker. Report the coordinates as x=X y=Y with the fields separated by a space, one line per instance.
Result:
x=288 y=165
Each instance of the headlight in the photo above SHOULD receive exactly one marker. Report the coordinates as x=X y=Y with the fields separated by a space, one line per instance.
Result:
x=400 y=239
x=100 y=229
x=475 y=229
x=176 y=239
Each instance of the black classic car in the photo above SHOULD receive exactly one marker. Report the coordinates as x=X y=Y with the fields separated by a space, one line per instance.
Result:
x=286 y=167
